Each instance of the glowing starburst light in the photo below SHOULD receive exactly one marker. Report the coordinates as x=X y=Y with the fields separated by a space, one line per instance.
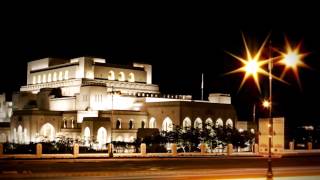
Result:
x=292 y=59
x=252 y=65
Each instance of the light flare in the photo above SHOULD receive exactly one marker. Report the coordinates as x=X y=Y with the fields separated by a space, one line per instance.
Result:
x=252 y=65
x=292 y=59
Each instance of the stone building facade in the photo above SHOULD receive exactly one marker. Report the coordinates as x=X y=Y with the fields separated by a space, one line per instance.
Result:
x=89 y=99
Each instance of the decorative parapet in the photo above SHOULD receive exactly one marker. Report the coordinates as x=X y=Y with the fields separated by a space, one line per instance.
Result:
x=55 y=84
x=117 y=85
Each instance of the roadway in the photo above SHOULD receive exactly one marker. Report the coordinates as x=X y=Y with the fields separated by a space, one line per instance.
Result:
x=159 y=168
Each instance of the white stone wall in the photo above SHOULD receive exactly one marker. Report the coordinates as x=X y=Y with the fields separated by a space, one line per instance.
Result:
x=98 y=98
x=53 y=75
x=277 y=137
x=31 y=126
x=103 y=72
x=82 y=114
x=220 y=98
x=5 y=109
x=147 y=69
x=36 y=65
x=63 y=104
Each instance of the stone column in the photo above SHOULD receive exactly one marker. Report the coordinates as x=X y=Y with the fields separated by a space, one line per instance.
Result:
x=202 y=148
x=309 y=145
x=256 y=148
x=1 y=149
x=75 y=150
x=229 y=149
x=39 y=150
x=110 y=150
x=174 y=149
x=143 y=148
x=291 y=145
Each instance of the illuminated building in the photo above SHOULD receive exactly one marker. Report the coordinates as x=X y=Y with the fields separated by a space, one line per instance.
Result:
x=90 y=99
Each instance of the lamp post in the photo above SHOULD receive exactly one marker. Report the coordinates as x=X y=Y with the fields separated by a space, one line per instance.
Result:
x=269 y=172
x=111 y=148
x=252 y=66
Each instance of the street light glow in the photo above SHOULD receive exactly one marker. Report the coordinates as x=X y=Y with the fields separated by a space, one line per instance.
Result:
x=266 y=103
x=292 y=59
x=252 y=65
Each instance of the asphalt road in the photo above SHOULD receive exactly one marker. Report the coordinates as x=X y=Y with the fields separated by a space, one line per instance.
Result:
x=158 y=168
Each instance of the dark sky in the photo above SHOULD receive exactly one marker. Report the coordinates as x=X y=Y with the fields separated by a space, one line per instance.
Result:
x=180 y=40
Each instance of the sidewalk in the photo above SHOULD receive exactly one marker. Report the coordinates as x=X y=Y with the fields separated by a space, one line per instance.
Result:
x=286 y=153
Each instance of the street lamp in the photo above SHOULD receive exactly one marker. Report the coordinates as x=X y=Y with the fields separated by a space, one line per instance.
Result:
x=111 y=148
x=269 y=172
x=266 y=103
x=252 y=67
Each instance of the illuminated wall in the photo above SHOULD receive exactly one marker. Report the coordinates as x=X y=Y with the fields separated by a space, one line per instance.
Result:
x=97 y=98
x=5 y=109
x=220 y=98
x=103 y=72
x=30 y=122
x=63 y=104
x=277 y=137
x=177 y=111
x=147 y=69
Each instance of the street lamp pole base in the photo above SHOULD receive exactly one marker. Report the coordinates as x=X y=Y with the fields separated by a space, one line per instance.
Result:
x=269 y=173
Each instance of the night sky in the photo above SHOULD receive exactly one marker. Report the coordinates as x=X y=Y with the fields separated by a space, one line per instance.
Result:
x=181 y=41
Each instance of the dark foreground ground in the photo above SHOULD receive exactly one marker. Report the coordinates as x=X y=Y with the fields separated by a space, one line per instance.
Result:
x=160 y=168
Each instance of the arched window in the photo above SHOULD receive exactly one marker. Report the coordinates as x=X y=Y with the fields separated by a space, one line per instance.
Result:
x=34 y=79
x=121 y=76
x=186 y=124
x=198 y=123
x=25 y=136
x=15 y=135
x=54 y=76
x=48 y=131
x=167 y=125
x=49 y=77
x=152 y=123
x=60 y=75
x=111 y=75
x=131 y=124
x=20 y=135
x=66 y=74
x=131 y=77
x=143 y=124
x=44 y=78
x=118 y=124
x=102 y=137
x=229 y=123
x=39 y=79
x=219 y=123
x=209 y=123
x=86 y=135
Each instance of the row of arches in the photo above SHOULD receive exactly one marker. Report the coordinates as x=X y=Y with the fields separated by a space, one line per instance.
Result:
x=121 y=76
x=167 y=124
x=20 y=134
x=131 y=124
x=209 y=123
x=101 y=136
x=55 y=76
